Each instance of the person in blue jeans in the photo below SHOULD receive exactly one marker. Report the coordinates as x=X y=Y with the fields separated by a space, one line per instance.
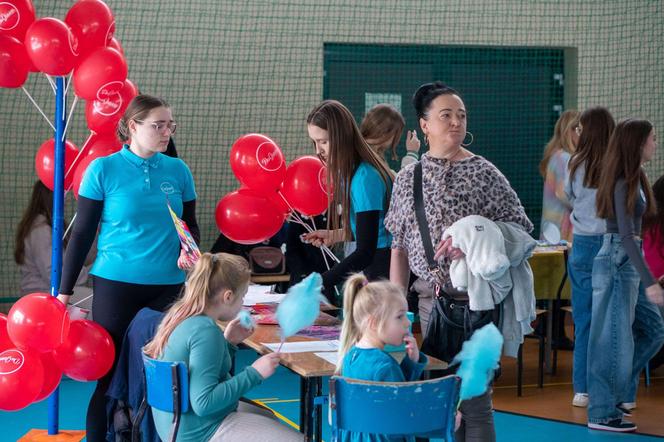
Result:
x=360 y=184
x=626 y=328
x=594 y=129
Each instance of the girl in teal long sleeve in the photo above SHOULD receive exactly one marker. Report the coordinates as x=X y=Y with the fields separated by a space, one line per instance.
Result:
x=189 y=333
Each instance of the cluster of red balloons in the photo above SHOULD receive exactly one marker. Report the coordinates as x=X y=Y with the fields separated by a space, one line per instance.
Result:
x=84 y=43
x=38 y=343
x=269 y=191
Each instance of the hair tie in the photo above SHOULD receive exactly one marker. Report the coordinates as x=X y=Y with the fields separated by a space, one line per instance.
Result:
x=364 y=283
x=214 y=258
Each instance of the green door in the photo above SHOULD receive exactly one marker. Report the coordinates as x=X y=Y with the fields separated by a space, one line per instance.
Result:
x=513 y=97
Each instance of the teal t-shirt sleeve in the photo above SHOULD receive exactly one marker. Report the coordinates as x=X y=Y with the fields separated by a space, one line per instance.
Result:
x=92 y=184
x=413 y=370
x=189 y=189
x=367 y=189
x=207 y=393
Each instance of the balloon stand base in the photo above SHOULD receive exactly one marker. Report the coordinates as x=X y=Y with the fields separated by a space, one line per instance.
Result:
x=62 y=436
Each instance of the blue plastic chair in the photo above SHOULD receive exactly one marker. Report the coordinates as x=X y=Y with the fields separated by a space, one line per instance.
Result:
x=423 y=408
x=167 y=389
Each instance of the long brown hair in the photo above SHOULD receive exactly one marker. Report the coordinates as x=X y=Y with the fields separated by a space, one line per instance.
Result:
x=138 y=109
x=211 y=275
x=364 y=300
x=623 y=160
x=41 y=203
x=347 y=149
x=382 y=127
x=561 y=139
x=597 y=124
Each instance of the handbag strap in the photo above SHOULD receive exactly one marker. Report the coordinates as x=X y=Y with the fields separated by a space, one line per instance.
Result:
x=421 y=217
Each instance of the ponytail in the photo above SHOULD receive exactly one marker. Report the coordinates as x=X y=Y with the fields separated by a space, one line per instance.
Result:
x=365 y=301
x=350 y=329
x=211 y=275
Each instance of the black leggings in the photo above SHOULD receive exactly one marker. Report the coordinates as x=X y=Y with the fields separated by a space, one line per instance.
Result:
x=114 y=305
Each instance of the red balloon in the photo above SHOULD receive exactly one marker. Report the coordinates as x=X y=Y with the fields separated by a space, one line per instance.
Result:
x=98 y=146
x=16 y=16
x=79 y=173
x=45 y=162
x=21 y=378
x=92 y=22
x=103 y=115
x=38 y=321
x=14 y=62
x=100 y=75
x=305 y=186
x=5 y=342
x=88 y=353
x=115 y=44
x=51 y=46
x=52 y=376
x=258 y=162
x=247 y=217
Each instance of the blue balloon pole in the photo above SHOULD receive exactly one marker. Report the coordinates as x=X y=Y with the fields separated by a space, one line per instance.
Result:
x=58 y=222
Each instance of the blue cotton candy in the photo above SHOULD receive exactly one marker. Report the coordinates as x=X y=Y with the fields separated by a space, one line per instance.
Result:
x=479 y=358
x=301 y=305
x=246 y=320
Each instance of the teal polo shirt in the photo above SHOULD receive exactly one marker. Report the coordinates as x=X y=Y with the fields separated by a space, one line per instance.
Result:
x=367 y=193
x=137 y=240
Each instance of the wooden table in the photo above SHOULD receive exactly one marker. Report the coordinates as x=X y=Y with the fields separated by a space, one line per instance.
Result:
x=311 y=369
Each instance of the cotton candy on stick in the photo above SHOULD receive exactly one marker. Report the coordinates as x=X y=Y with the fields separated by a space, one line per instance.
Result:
x=479 y=357
x=301 y=306
x=246 y=320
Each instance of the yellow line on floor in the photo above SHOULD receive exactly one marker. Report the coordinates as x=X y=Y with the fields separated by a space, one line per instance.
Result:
x=279 y=415
x=278 y=401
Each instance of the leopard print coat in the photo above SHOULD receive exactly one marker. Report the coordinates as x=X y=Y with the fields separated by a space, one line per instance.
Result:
x=452 y=190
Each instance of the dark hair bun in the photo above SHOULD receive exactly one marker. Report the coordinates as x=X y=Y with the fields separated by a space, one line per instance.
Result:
x=428 y=92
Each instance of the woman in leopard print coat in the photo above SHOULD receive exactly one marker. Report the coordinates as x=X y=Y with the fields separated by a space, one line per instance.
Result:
x=456 y=183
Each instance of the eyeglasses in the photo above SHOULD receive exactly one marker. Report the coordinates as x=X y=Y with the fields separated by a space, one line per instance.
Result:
x=161 y=126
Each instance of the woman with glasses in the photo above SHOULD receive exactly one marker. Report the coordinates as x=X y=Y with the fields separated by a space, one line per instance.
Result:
x=361 y=185
x=138 y=262
x=595 y=127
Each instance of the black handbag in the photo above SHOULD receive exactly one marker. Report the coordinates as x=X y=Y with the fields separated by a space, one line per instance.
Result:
x=451 y=321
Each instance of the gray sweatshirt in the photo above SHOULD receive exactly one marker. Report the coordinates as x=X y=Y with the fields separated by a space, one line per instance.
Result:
x=584 y=214
x=628 y=226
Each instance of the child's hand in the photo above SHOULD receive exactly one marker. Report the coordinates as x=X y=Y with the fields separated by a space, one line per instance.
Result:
x=457 y=420
x=266 y=365
x=411 y=348
x=235 y=333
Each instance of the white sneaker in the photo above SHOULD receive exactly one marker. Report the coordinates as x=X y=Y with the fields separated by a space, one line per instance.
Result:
x=580 y=400
x=628 y=405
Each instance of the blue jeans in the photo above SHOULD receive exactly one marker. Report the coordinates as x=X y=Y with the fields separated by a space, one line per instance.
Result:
x=625 y=332
x=580 y=269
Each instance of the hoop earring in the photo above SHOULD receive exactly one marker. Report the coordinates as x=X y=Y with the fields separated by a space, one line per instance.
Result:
x=472 y=138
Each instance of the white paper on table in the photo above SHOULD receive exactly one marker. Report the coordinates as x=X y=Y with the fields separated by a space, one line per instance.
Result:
x=330 y=356
x=305 y=346
x=260 y=294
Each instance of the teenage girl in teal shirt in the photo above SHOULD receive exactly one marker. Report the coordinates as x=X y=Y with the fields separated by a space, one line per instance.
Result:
x=361 y=185
x=125 y=196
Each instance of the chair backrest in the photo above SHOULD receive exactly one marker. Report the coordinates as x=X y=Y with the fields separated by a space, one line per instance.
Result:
x=162 y=385
x=424 y=408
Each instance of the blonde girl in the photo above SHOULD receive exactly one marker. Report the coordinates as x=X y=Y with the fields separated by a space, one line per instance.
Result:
x=375 y=316
x=189 y=332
